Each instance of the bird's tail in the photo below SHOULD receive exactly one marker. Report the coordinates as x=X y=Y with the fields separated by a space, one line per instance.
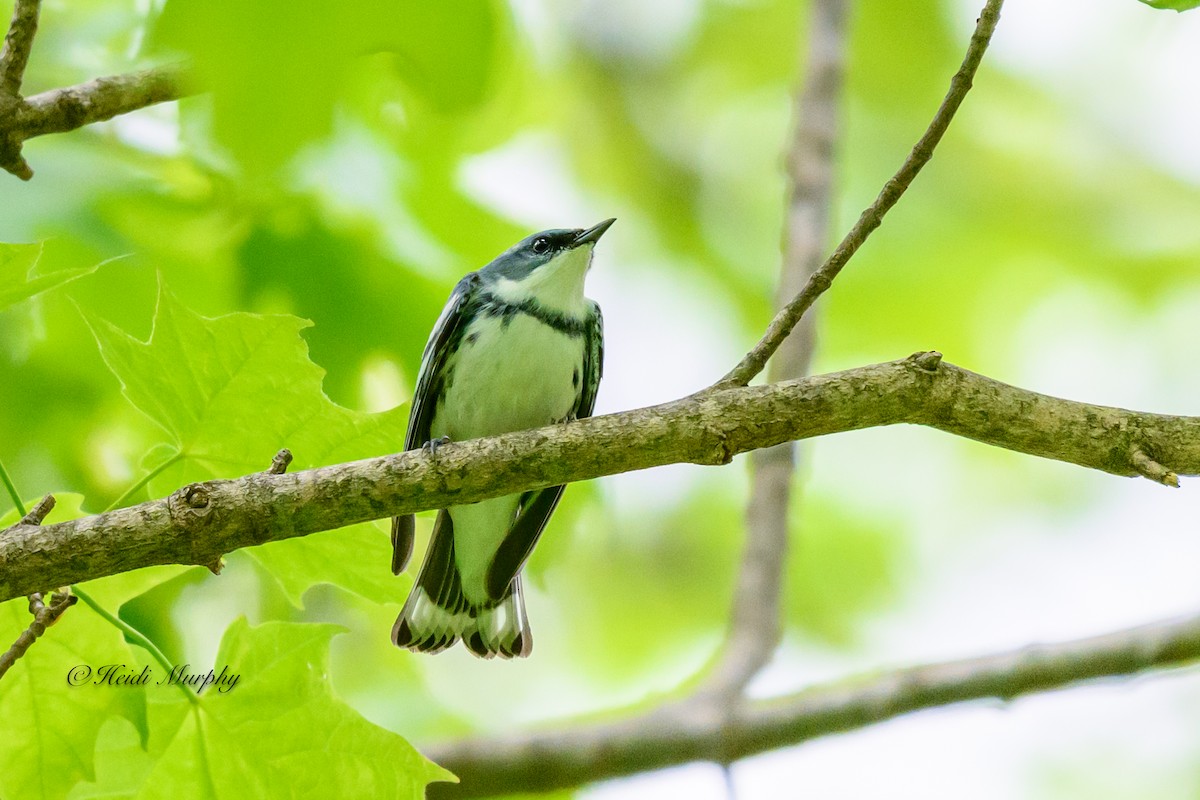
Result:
x=437 y=614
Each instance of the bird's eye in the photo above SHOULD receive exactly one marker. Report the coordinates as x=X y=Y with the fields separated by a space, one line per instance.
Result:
x=541 y=245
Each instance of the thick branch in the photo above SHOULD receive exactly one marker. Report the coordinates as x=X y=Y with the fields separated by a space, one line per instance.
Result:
x=201 y=521
x=785 y=320
x=755 y=622
x=675 y=735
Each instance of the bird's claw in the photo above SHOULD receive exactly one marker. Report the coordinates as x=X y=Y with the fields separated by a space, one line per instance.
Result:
x=432 y=445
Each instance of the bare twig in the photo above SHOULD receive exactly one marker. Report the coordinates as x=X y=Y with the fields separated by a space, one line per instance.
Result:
x=280 y=462
x=38 y=512
x=587 y=752
x=18 y=43
x=43 y=615
x=203 y=520
x=755 y=622
x=1151 y=469
x=786 y=320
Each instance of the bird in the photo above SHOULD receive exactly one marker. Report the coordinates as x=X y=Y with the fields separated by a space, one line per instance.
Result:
x=517 y=346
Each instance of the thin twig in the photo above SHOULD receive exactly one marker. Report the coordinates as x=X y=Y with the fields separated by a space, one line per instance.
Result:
x=18 y=43
x=280 y=462
x=39 y=512
x=786 y=320
x=756 y=619
x=587 y=752
x=1153 y=470
x=43 y=617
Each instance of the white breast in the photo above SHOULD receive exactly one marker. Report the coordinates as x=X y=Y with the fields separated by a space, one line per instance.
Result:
x=506 y=379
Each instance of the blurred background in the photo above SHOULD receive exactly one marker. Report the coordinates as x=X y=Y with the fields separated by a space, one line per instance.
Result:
x=349 y=167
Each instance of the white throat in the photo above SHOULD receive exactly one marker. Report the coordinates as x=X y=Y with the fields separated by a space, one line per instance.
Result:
x=556 y=285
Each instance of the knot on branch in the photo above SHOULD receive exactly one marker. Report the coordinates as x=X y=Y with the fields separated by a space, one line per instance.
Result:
x=196 y=497
x=929 y=360
x=194 y=510
x=193 y=500
x=721 y=452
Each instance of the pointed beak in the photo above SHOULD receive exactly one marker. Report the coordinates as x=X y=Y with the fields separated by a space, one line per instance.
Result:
x=593 y=234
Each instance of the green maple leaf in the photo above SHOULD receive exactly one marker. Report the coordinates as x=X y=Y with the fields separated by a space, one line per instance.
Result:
x=229 y=392
x=63 y=722
x=54 y=726
x=280 y=732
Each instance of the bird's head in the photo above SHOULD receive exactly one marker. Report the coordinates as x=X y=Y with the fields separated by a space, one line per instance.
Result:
x=548 y=266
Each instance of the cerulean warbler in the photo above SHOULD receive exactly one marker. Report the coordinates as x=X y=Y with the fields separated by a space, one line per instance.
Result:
x=517 y=346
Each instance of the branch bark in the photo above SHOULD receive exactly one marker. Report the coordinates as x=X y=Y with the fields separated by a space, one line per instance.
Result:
x=872 y=217
x=18 y=43
x=203 y=521
x=675 y=734
x=62 y=110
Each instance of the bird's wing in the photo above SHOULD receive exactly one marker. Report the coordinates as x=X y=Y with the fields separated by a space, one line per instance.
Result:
x=536 y=507
x=593 y=363
x=447 y=331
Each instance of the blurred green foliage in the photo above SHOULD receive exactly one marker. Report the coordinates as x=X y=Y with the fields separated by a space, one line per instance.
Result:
x=193 y=287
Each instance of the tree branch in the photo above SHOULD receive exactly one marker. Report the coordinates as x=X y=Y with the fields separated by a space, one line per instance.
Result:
x=201 y=521
x=62 y=110
x=822 y=279
x=66 y=109
x=755 y=623
x=676 y=734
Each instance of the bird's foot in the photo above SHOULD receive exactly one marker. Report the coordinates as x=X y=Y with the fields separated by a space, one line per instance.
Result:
x=432 y=445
